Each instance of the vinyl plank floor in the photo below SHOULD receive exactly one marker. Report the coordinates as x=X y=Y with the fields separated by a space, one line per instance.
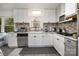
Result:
x=15 y=52
x=6 y=50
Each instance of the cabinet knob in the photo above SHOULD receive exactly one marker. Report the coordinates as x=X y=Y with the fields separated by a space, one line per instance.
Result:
x=34 y=36
x=64 y=43
x=57 y=39
x=68 y=40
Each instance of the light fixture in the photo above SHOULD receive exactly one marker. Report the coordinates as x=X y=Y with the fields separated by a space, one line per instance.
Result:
x=36 y=13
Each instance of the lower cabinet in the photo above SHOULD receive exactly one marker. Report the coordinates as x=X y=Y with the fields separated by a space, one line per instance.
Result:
x=64 y=46
x=12 y=39
x=70 y=47
x=46 y=40
x=39 y=40
x=34 y=40
x=59 y=44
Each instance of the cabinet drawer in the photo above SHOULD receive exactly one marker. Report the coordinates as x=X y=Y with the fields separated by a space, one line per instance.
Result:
x=70 y=43
x=69 y=51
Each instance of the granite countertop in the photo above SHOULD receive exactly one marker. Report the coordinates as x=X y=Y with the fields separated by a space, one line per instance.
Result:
x=70 y=37
x=31 y=32
x=41 y=32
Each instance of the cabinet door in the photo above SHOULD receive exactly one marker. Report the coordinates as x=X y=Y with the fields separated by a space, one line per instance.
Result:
x=51 y=36
x=61 y=48
x=31 y=41
x=34 y=40
x=56 y=45
x=12 y=40
x=43 y=40
x=61 y=45
x=38 y=41
x=70 y=8
x=20 y=15
x=46 y=40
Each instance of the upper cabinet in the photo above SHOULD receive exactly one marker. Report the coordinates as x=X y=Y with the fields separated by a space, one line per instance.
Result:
x=62 y=8
x=20 y=15
x=28 y=15
x=70 y=9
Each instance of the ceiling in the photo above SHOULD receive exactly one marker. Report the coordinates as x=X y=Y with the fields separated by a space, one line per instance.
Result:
x=27 y=5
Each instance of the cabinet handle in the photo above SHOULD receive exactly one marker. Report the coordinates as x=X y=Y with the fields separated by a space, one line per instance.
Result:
x=64 y=43
x=57 y=39
x=34 y=36
x=68 y=40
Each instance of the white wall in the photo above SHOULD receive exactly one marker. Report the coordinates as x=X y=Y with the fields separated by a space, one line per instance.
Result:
x=70 y=8
x=6 y=13
x=24 y=15
x=62 y=8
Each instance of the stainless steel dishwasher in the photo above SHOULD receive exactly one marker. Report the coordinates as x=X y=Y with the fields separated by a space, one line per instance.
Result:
x=22 y=39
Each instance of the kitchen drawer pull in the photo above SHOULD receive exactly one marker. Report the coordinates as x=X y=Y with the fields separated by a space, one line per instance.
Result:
x=34 y=36
x=64 y=43
x=68 y=40
x=57 y=39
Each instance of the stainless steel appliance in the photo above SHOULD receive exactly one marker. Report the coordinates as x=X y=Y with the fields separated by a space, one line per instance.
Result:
x=22 y=39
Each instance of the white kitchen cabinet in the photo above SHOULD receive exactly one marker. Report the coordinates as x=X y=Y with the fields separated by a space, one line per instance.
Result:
x=64 y=45
x=62 y=8
x=34 y=40
x=20 y=15
x=70 y=8
x=51 y=39
x=56 y=45
x=12 y=39
x=40 y=40
x=45 y=41
x=59 y=44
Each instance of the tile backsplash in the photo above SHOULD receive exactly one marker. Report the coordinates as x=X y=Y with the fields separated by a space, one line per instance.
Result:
x=49 y=26
x=70 y=26
x=22 y=27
